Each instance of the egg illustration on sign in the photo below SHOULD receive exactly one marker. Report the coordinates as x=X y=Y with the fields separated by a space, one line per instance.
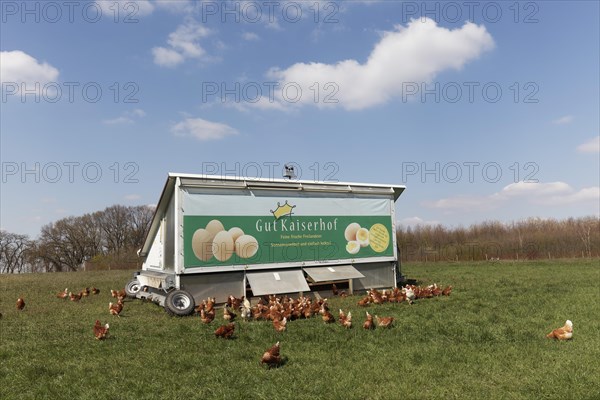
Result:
x=246 y=246
x=357 y=237
x=215 y=240
x=353 y=247
x=236 y=233
x=223 y=246
x=202 y=244
x=215 y=226
x=362 y=237
x=350 y=232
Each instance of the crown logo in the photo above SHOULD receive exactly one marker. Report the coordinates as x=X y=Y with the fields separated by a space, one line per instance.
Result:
x=282 y=210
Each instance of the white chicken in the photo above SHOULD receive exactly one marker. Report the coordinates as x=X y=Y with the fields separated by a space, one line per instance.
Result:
x=246 y=310
x=563 y=333
x=410 y=294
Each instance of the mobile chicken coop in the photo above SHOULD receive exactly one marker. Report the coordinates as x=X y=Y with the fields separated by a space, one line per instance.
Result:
x=215 y=236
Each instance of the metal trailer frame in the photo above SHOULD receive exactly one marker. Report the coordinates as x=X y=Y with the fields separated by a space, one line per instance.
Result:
x=164 y=280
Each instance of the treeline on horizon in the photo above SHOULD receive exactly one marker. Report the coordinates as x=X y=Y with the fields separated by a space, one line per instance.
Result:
x=109 y=239
x=530 y=239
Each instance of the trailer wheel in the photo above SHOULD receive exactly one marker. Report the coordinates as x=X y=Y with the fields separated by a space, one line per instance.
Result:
x=132 y=288
x=179 y=303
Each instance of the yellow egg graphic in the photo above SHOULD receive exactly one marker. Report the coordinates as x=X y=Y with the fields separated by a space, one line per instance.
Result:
x=362 y=237
x=352 y=247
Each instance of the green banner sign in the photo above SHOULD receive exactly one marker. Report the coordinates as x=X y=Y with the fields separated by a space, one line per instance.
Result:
x=282 y=237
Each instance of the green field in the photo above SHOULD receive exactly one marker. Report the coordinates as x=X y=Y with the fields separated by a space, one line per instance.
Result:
x=485 y=341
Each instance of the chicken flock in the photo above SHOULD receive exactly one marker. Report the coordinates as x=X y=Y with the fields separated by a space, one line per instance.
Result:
x=281 y=310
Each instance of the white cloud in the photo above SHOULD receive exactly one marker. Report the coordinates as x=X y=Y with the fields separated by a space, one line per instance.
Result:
x=118 y=121
x=128 y=117
x=409 y=54
x=19 y=67
x=126 y=10
x=414 y=221
x=184 y=43
x=166 y=57
x=462 y=203
x=176 y=6
x=585 y=195
x=138 y=112
x=523 y=189
x=272 y=23
x=250 y=36
x=541 y=194
x=563 y=120
x=202 y=129
x=591 y=146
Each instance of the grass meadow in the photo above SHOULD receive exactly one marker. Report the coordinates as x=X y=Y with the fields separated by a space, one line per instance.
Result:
x=485 y=341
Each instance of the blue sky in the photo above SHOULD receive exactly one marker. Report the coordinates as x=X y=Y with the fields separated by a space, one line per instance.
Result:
x=486 y=111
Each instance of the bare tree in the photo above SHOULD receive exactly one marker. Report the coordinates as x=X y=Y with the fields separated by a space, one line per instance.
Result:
x=140 y=218
x=14 y=249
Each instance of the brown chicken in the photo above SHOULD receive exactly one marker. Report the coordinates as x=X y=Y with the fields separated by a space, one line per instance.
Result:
x=210 y=304
x=20 y=303
x=100 y=332
x=234 y=302
x=369 y=322
x=345 y=320
x=334 y=289
x=328 y=317
x=225 y=331
x=271 y=357
x=384 y=322
x=563 y=333
x=119 y=295
x=74 y=297
x=228 y=314
x=447 y=291
x=280 y=325
x=95 y=290
x=377 y=297
x=207 y=317
x=63 y=295
x=115 y=309
x=85 y=292
x=364 y=301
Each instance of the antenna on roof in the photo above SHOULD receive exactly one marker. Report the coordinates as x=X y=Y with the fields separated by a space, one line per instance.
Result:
x=288 y=171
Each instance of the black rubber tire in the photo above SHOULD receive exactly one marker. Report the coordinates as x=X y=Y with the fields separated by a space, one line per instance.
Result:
x=132 y=288
x=179 y=303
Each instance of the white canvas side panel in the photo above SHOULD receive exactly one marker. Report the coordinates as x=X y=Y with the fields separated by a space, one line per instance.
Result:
x=155 y=255
x=169 y=227
x=246 y=202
